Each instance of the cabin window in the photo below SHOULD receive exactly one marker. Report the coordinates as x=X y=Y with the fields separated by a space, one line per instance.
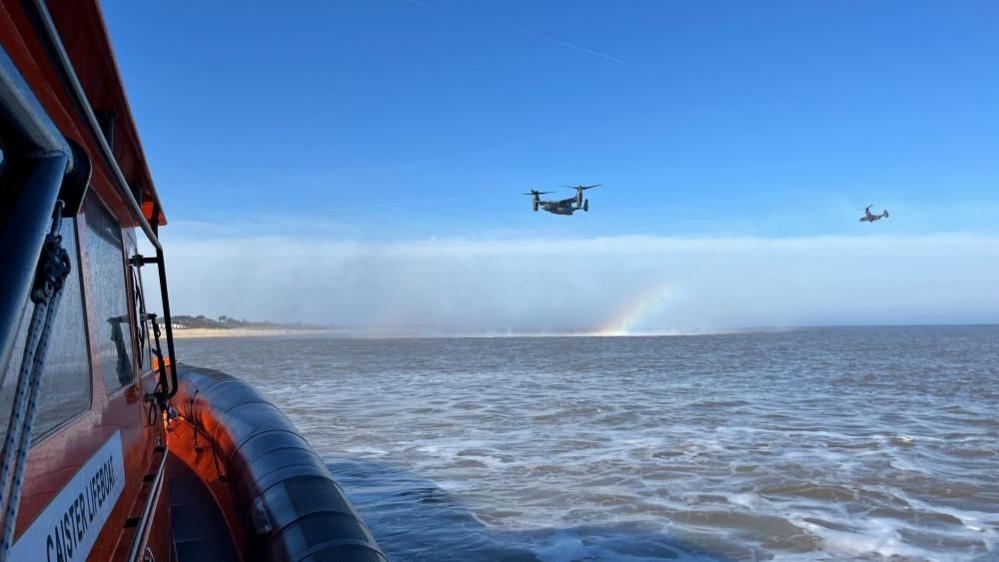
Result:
x=106 y=259
x=139 y=306
x=66 y=387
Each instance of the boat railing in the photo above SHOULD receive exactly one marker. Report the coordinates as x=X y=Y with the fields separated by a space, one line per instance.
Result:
x=46 y=31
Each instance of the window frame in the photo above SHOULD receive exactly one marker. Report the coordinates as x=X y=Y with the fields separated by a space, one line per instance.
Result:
x=129 y=299
x=81 y=278
x=133 y=274
x=38 y=438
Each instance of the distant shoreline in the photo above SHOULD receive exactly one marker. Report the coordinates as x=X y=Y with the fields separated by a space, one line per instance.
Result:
x=198 y=333
x=355 y=333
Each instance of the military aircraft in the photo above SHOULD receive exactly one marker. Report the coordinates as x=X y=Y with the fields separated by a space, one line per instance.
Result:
x=870 y=217
x=562 y=206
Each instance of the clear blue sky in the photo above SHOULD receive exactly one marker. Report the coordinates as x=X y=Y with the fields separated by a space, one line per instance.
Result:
x=395 y=119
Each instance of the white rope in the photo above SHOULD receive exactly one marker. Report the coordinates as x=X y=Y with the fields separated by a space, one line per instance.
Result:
x=53 y=267
x=24 y=445
x=20 y=401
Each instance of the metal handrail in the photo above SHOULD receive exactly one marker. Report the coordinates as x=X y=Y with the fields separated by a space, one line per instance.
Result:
x=143 y=527
x=45 y=28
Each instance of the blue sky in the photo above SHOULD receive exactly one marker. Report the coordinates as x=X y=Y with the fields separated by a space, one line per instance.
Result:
x=394 y=121
x=410 y=119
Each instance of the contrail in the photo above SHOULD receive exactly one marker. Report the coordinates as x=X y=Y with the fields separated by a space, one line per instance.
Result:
x=571 y=46
x=527 y=33
x=430 y=7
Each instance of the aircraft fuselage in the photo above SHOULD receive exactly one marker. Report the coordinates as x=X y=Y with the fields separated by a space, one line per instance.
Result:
x=563 y=207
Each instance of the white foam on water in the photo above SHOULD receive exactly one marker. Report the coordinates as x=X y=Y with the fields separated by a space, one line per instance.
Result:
x=573 y=547
x=877 y=538
x=728 y=448
x=747 y=500
x=974 y=521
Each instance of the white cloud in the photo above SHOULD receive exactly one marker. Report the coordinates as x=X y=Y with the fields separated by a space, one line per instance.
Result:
x=640 y=283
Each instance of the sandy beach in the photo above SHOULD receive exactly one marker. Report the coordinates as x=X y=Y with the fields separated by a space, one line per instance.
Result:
x=192 y=333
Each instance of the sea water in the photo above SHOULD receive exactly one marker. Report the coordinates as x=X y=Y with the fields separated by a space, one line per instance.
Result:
x=804 y=445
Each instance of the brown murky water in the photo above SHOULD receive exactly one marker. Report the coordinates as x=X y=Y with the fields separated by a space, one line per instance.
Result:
x=825 y=444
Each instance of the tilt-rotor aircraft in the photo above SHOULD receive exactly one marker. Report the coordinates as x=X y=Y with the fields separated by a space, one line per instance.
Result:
x=562 y=206
x=871 y=217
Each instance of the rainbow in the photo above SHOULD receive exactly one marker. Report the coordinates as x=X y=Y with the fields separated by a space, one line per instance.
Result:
x=630 y=316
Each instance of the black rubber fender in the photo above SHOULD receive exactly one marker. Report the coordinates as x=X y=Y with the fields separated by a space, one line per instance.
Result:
x=292 y=509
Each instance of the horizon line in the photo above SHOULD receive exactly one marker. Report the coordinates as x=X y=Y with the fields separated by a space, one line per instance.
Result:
x=382 y=333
